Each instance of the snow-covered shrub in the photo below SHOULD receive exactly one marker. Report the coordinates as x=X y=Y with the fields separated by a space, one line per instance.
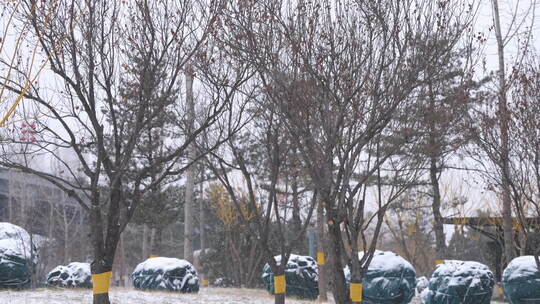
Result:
x=421 y=284
x=73 y=275
x=521 y=281
x=17 y=256
x=390 y=279
x=460 y=282
x=222 y=282
x=166 y=274
x=301 y=277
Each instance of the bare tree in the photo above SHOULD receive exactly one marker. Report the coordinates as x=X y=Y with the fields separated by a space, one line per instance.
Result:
x=337 y=74
x=491 y=122
x=504 y=144
x=87 y=115
x=269 y=222
x=524 y=162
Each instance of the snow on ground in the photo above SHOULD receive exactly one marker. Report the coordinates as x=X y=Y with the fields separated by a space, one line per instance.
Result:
x=127 y=295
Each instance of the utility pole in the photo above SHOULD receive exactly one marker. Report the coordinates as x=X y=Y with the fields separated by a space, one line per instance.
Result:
x=503 y=115
x=188 y=207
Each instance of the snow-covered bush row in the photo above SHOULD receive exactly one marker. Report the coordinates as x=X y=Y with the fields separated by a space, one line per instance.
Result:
x=166 y=274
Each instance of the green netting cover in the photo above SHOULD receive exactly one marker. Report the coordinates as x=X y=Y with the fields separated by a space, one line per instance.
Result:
x=390 y=279
x=14 y=272
x=17 y=256
x=521 y=281
x=460 y=282
x=75 y=274
x=166 y=274
x=301 y=277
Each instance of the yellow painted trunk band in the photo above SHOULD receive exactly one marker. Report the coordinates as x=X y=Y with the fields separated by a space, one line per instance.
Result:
x=356 y=292
x=320 y=258
x=101 y=282
x=205 y=283
x=439 y=262
x=279 y=284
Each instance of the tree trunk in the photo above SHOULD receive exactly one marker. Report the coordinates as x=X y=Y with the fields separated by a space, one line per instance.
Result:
x=356 y=278
x=440 y=239
x=320 y=249
x=145 y=242
x=503 y=114
x=67 y=258
x=105 y=244
x=122 y=259
x=101 y=263
x=158 y=241
x=202 y=223
x=153 y=251
x=339 y=286
x=297 y=222
x=188 y=207
x=279 y=298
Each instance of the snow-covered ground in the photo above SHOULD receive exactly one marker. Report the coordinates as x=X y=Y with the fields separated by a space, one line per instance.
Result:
x=128 y=295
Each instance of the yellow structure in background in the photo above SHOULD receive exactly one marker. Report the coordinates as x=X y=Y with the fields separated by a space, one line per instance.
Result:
x=101 y=282
x=439 y=262
x=356 y=292
x=320 y=258
x=205 y=283
x=153 y=256
x=279 y=284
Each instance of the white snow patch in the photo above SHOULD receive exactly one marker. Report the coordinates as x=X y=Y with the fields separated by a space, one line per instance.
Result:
x=163 y=264
x=456 y=269
x=126 y=295
x=383 y=261
x=422 y=283
x=523 y=266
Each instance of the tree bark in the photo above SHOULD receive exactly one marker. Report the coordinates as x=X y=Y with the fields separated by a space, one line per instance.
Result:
x=503 y=115
x=202 y=223
x=153 y=241
x=440 y=239
x=339 y=286
x=323 y=297
x=122 y=259
x=279 y=298
x=188 y=207
x=145 y=242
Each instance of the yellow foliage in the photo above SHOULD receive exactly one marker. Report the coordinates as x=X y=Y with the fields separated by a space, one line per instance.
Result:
x=226 y=210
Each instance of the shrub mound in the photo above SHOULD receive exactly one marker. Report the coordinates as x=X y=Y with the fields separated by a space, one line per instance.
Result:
x=17 y=256
x=301 y=277
x=390 y=279
x=521 y=281
x=75 y=275
x=460 y=282
x=166 y=274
